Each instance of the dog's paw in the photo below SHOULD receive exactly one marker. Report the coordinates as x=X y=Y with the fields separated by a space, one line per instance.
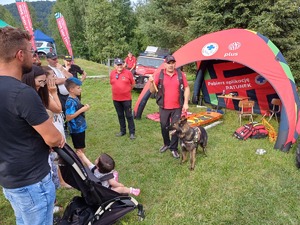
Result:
x=191 y=168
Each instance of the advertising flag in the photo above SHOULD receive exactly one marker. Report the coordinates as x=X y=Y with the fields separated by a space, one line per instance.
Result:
x=63 y=30
x=26 y=19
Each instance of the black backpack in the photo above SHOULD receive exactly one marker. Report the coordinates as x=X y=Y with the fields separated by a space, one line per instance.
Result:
x=77 y=213
x=161 y=91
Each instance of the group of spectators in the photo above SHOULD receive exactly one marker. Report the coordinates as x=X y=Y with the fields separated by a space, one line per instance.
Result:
x=36 y=100
x=33 y=113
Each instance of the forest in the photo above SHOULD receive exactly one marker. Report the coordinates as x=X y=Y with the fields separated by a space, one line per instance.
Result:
x=102 y=29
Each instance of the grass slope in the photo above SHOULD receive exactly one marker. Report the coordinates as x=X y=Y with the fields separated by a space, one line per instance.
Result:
x=232 y=185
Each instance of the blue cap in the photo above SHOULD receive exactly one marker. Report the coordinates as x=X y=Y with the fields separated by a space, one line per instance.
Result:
x=75 y=80
x=118 y=61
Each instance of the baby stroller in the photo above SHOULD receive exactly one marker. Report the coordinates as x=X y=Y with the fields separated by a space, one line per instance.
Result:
x=97 y=204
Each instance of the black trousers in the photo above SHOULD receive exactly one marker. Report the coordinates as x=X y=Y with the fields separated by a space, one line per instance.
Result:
x=167 y=117
x=124 y=109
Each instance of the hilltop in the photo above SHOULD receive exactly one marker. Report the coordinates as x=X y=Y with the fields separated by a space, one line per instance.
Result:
x=42 y=11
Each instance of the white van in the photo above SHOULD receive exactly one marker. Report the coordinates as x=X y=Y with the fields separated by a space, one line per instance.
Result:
x=43 y=47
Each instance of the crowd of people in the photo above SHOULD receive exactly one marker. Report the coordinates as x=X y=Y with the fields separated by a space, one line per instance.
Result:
x=43 y=98
x=26 y=134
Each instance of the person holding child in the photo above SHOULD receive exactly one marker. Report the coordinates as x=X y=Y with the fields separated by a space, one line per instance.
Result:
x=75 y=113
x=105 y=165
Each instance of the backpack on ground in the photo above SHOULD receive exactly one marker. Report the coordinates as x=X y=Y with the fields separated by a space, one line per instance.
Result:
x=243 y=132
x=259 y=131
x=251 y=130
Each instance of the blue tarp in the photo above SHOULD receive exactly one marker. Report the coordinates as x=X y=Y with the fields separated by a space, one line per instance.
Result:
x=40 y=36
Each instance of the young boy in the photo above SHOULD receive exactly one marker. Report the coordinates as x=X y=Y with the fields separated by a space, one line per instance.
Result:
x=105 y=165
x=75 y=113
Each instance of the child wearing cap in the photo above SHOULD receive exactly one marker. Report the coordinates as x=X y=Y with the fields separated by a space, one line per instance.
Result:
x=75 y=113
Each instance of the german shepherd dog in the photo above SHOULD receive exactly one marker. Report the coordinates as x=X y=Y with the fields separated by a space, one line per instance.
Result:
x=190 y=138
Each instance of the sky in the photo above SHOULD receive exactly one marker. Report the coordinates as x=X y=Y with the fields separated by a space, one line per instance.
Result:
x=5 y=2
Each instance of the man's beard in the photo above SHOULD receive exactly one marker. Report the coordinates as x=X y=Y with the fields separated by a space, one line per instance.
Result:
x=26 y=68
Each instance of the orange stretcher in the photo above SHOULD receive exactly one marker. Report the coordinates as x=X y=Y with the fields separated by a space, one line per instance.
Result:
x=203 y=118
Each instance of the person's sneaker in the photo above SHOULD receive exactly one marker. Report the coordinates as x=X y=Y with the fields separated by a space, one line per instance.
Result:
x=175 y=154
x=132 y=136
x=120 y=134
x=135 y=191
x=163 y=148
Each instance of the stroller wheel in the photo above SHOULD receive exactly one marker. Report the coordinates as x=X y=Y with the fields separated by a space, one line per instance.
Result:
x=141 y=212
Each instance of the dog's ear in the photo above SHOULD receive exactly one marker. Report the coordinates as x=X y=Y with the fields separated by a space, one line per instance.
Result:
x=183 y=120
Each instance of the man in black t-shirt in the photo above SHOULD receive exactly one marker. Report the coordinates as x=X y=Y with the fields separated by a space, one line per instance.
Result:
x=26 y=132
x=73 y=68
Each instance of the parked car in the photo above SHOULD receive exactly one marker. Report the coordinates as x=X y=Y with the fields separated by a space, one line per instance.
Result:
x=147 y=64
x=43 y=47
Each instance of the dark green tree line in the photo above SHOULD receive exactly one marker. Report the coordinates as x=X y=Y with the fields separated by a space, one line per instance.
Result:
x=74 y=14
x=6 y=16
x=278 y=20
x=101 y=29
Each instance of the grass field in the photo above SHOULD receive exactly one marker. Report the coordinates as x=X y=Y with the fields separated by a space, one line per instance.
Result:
x=233 y=185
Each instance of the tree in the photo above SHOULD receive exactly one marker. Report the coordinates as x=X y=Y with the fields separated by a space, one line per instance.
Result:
x=163 y=22
x=7 y=17
x=73 y=12
x=35 y=23
x=108 y=34
x=277 y=20
x=39 y=13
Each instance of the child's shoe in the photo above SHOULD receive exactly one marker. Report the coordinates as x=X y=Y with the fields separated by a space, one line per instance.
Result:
x=135 y=191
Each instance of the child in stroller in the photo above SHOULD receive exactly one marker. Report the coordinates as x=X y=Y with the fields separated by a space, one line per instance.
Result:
x=97 y=205
x=104 y=166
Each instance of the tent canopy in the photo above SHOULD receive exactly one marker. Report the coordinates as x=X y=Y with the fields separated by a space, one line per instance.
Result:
x=245 y=62
x=3 y=24
x=40 y=36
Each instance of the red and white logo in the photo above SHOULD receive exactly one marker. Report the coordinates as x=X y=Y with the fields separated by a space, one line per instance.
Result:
x=234 y=46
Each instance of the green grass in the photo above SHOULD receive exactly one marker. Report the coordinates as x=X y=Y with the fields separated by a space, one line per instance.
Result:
x=232 y=185
x=91 y=68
